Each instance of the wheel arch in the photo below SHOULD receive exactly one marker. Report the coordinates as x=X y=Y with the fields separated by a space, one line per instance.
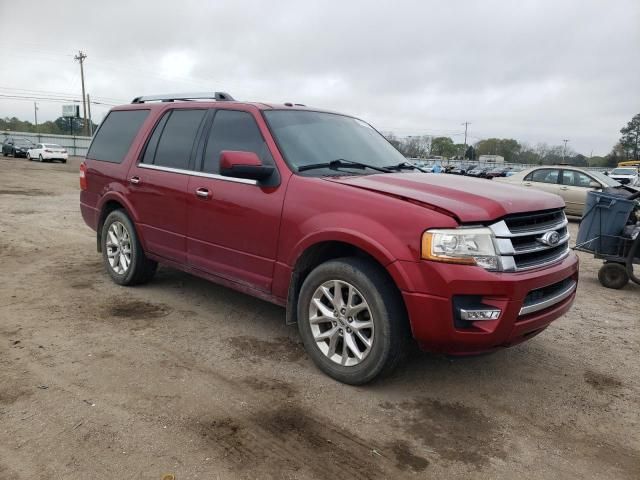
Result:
x=324 y=250
x=108 y=204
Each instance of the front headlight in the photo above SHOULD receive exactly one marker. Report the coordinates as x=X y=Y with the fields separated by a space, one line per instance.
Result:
x=470 y=246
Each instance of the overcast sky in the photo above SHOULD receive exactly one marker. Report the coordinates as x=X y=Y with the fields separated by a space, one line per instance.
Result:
x=536 y=71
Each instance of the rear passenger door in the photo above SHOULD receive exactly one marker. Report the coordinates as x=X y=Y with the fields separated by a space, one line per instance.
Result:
x=233 y=229
x=158 y=182
x=546 y=179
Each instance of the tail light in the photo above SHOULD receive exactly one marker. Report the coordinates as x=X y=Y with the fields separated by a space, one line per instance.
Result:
x=48 y=151
x=64 y=151
x=83 y=176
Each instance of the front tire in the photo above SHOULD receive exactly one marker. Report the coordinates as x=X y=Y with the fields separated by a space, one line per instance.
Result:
x=122 y=253
x=29 y=156
x=352 y=320
x=40 y=158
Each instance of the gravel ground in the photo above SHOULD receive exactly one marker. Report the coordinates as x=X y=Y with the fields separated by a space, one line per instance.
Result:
x=186 y=377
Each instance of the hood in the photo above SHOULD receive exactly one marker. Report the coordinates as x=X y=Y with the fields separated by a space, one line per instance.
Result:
x=467 y=199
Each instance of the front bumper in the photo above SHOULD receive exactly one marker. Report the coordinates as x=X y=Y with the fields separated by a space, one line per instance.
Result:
x=433 y=287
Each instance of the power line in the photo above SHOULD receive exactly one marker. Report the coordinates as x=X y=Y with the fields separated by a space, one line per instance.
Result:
x=51 y=99
x=28 y=91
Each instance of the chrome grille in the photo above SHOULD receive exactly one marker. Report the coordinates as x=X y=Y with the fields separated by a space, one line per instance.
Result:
x=525 y=241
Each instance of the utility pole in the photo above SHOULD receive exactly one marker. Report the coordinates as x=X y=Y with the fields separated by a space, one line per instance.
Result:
x=564 y=150
x=80 y=58
x=466 y=124
x=35 y=114
x=90 y=121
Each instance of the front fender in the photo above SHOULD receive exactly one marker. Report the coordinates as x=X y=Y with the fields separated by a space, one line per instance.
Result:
x=371 y=236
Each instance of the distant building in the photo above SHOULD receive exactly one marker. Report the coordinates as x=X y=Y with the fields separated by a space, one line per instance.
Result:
x=491 y=159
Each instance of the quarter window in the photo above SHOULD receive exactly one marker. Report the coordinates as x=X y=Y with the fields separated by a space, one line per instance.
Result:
x=177 y=139
x=234 y=130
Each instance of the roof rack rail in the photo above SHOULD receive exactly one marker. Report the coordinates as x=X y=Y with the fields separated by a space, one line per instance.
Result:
x=172 y=97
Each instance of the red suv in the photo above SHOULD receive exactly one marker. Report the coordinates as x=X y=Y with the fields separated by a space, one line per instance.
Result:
x=317 y=212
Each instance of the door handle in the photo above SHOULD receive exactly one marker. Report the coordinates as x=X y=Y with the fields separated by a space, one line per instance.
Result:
x=135 y=180
x=527 y=184
x=203 y=193
x=564 y=188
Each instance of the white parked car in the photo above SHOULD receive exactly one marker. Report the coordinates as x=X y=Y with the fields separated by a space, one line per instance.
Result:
x=626 y=176
x=47 y=152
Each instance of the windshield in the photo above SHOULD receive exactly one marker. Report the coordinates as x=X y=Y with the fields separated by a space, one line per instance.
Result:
x=601 y=177
x=624 y=171
x=23 y=142
x=308 y=138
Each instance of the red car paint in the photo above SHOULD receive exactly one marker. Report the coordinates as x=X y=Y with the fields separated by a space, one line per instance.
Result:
x=250 y=238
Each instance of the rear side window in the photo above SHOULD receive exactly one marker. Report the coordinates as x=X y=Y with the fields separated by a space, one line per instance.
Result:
x=544 y=175
x=115 y=136
x=234 y=130
x=176 y=140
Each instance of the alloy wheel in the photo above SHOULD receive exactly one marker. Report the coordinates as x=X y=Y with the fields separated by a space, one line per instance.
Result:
x=341 y=322
x=118 y=246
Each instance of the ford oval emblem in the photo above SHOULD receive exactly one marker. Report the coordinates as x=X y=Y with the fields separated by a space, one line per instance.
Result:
x=550 y=238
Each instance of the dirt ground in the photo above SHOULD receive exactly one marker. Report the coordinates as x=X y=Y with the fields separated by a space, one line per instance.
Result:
x=186 y=377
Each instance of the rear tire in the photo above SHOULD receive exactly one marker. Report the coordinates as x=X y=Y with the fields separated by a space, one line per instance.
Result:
x=326 y=341
x=613 y=275
x=122 y=253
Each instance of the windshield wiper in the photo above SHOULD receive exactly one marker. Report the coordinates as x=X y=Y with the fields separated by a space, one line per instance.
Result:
x=341 y=162
x=405 y=166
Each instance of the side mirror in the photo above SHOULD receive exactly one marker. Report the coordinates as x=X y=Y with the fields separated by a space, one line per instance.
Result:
x=594 y=184
x=243 y=165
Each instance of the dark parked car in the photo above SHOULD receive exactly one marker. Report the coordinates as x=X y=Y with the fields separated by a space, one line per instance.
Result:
x=319 y=213
x=478 y=172
x=17 y=147
x=461 y=170
x=497 y=172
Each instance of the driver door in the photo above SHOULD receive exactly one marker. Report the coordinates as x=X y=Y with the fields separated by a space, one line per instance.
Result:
x=233 y=223
x=574 y=189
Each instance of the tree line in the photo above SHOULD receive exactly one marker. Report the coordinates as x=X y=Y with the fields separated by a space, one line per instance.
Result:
x=60 y=126
x=425 y=146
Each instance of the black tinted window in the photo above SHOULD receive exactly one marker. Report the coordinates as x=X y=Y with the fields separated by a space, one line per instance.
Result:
x=178 y=136
x=115 y=136
x=234 y=130
x=152 y=144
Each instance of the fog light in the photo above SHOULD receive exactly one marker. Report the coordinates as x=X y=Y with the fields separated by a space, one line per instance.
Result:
x=479 y=314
